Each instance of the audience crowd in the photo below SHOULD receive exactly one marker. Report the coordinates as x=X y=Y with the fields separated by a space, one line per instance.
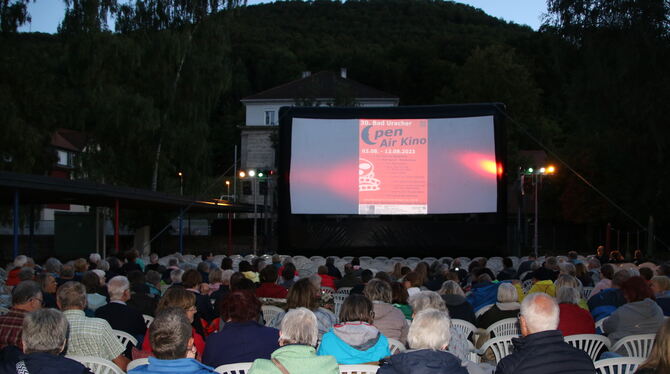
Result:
x=190 y=317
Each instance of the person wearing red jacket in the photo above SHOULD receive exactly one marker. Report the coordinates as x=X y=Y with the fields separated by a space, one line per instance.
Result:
x=573 y=318
x=269 y=287
x=13 y=275
x=326 y=280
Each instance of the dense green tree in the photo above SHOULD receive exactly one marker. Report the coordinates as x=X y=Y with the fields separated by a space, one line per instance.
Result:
x=13 y=14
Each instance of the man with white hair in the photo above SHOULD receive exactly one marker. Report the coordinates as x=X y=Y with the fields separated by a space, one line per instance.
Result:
x=297 y=338
x=119 y=315
x=541 y=349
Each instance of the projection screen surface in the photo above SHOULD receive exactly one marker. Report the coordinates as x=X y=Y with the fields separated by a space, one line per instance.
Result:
x=402 y=166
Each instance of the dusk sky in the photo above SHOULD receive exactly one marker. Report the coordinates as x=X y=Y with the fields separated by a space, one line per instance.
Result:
x=47 y=14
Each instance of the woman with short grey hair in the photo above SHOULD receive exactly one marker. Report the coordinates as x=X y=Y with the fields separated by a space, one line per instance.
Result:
x=389 y=320
x=44 y=336
x=507 y=306
x=457 y=304
x=428 y=338
x=297 y=338
x=573 y=319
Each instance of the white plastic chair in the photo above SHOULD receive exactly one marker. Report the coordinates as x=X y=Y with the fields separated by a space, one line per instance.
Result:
x=396 y=346
x=135 y=363
x=483 y=310
x=147 y=319
x=619 y=365
x=360 y=369
x=124 y=338
x=599 y=324
x=97 y=365
x=464 y=326
x=636 y=345
x=592 y=344
x=504 y=327
x=501 y=346
x=338 y=299
x=238 y=368
x=269 y=312
x=527 y=285
x=325 y=290
x=586 y=292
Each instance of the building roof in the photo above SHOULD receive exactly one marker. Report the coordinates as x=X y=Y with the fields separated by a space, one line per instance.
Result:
x=322 y=85
x=69 y=139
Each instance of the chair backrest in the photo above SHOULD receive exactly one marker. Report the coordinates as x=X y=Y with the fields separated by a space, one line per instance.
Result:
x=135 y=363
x=325 y=290
x=465 y=327
x=238 y=368
x=586 y=292
x=527 y=285
x=125 y=338
x=360 y=369
x=619 y=365
x=396 y=346
x=147 y=319
x=599 y=324
x=269 y=312
x=592 y=344
x=635 y=345
x=501 y=346
x=338 y=299
x=483 y=310
x=504 y=327
x=97 y=365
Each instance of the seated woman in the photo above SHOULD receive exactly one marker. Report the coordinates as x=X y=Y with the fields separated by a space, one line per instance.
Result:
x=573 y=318
x=658 y=361
x=640 y=315
x=304 y=294
x=297 y=355
x=269 y=287
x=400 y=299
x=172 y=345
x=660 y=285
x=454 y=299
x=177 y=297
x=94 y=294
x=242 y=338
x=389 y=320
x=565 y=280
x=355 y=340
x=428 y=338
x=507 y=306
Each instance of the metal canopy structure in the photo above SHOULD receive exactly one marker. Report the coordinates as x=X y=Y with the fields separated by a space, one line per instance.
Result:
x=26 y=189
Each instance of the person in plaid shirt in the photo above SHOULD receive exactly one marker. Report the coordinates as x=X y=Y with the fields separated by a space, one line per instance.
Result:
x=26 y=297
x=88 y=336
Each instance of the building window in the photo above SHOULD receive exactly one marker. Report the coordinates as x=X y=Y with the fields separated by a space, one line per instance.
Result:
x=263 y=188
x=270 y=118
x=246 y=188
x=64 y=158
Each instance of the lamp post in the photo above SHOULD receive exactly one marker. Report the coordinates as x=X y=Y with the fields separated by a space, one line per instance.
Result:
x=228 y=190
x=537 y=174
x=181 y=183
x=254 y=190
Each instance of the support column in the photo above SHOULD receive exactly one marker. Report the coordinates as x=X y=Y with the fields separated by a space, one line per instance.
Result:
x=181 y=231
x=230 y=235
x=116 y=226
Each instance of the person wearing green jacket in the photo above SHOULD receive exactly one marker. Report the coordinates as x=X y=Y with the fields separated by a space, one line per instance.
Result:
x=297 y=338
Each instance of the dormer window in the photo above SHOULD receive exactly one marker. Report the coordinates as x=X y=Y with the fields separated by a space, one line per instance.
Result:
x=64 y=158
x=270 y=118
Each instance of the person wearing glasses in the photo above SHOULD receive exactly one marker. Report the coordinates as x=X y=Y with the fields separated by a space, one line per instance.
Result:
x=355 y=340
x=26 y=297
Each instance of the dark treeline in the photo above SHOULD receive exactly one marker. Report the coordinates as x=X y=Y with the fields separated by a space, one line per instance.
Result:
x=161 y=93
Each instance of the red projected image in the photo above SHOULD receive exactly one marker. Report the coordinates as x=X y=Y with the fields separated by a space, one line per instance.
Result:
x=393 y=166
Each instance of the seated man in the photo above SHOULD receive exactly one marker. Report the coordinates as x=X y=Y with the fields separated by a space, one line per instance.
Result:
x=119 y=315
x=88 y=336
x=172 y=344
x=26 y=297
x=608 y=300
x=44 y=337
x=541 y=349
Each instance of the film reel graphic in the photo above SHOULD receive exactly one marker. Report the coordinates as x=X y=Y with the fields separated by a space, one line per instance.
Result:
x=366 y=176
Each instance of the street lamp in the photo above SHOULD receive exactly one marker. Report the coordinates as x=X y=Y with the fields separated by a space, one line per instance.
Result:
x=228 y=190
x=181 y=183
x=254 y=186
x=536 y=174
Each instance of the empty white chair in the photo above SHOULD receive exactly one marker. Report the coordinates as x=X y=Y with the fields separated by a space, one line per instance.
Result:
x=360 y=369
x=396 y=346
x=97 y=365
x=147 y=319
x=504 y=327
x=586 y=292
x=635 y=345
x=501 y=346
x=619 y=365
x=269 y=312
x=592 y=344
x=135 y=363
x=465 y=327
x=238 y=368
x=124 y=338
x=338 y=299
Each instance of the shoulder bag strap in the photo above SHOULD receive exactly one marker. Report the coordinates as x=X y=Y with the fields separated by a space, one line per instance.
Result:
x=280 y=366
